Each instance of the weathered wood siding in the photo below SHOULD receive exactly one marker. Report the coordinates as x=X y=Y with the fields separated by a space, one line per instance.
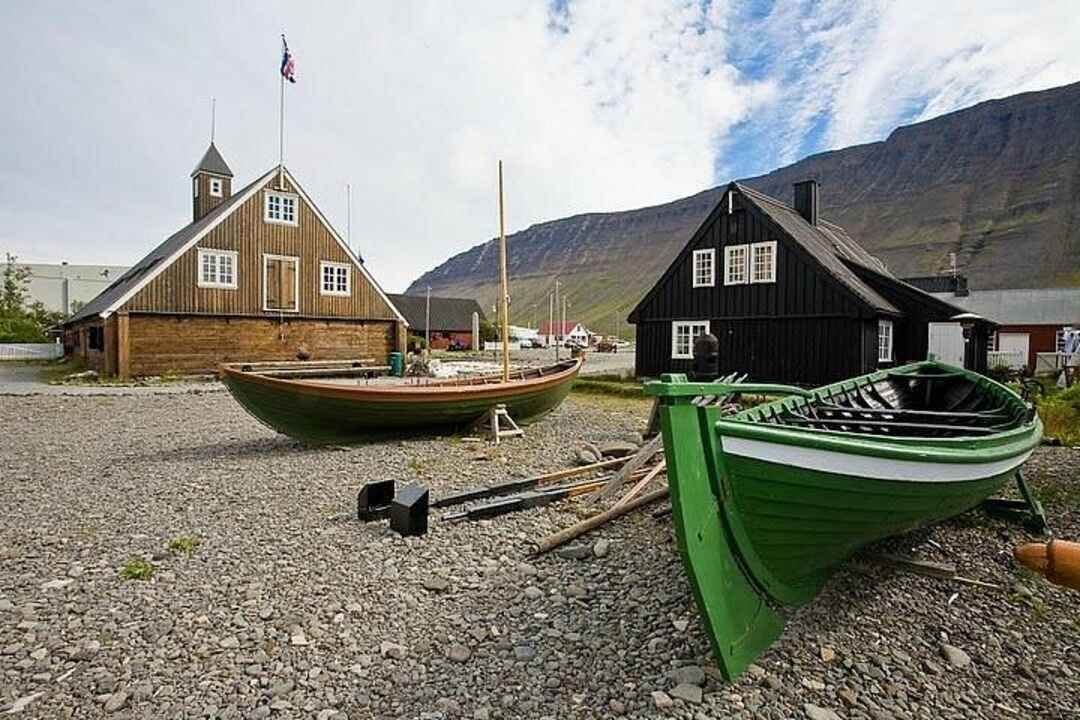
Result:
x=176 y=289
x=806 y=327
x=204 y=202
x=187 y=344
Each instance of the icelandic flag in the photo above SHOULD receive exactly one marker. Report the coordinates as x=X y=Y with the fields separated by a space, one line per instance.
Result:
x=288 y=65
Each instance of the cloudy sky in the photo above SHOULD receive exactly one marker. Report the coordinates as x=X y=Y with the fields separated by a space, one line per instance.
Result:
x=601 y=105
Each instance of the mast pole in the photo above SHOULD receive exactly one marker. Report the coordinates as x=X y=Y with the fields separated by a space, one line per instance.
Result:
x=427 y=323
x=504 y=290
x=557 y=334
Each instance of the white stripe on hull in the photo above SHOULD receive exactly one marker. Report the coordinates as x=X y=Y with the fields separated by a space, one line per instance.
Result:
x=865 y=465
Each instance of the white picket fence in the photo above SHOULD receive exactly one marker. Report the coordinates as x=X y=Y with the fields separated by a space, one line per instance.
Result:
x=1009 y=358
x=31 y=351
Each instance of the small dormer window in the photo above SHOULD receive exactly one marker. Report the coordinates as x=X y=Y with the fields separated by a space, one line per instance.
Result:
x=280 y=208
x=216 y=187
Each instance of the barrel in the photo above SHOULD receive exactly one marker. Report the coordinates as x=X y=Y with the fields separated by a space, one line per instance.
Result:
x=397 y=364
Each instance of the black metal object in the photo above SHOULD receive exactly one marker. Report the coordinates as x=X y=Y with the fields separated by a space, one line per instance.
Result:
x=706 y=357
x=523 y=501
x=1028 y=511
x=373 y=500
x=409 y=511
x=481 y=493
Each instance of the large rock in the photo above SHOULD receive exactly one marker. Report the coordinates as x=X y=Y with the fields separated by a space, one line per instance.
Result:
x=956 y=657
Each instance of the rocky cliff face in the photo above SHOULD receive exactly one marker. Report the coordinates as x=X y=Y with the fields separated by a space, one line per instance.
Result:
x=998 y=184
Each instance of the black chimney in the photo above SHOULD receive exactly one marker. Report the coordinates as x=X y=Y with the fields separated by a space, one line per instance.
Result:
x=806 y=200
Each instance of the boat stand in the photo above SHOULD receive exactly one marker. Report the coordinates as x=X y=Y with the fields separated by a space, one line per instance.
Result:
x=1028 y=511
x=497 y=419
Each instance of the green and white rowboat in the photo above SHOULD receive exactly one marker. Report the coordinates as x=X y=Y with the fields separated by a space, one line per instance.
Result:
x=767 y=502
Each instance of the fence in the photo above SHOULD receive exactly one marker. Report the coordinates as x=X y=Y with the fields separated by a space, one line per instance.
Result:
x=31 y=351
x=1009 y=358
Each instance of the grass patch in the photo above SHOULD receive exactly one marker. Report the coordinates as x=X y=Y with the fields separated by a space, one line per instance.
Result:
x=416 y=465
x=137 y=569
x=186 y=545
x=1060 y=413
x=622 y=388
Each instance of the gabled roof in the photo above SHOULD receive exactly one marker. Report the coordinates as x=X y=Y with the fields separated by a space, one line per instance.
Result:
x=141 y=273
x=829 y=244
x=212 y=163
x=446 y=313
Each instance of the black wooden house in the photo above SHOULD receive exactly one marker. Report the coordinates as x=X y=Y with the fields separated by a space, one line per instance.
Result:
x=790 y=297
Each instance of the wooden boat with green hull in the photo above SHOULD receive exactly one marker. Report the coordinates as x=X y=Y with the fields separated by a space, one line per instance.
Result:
x=768 y=501
x=319 y=411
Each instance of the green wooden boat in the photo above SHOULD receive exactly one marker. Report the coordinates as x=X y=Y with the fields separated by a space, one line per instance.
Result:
x=319 y=411
x=768 y=501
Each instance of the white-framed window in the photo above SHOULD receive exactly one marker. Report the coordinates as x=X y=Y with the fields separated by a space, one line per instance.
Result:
x=683 y=335
x=280 y=208
x=884 y=341
x=736 y=258
x=217 y=186
x=763 y=262
x=217 y=268
x=705 y=268
x=334 y=278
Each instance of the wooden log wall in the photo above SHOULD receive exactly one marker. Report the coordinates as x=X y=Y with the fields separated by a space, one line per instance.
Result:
x=177 y=343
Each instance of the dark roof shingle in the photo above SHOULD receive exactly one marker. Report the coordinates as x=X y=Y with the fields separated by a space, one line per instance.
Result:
x=447 y=314
x=212 y=163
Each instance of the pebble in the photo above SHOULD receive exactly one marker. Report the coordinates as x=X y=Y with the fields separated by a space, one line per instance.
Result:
x=687 y=674
x=391 y=650
x=116 y=701
x=575 y=552
x=533 y=593
x=459 y=653
x=956 y=657
x=662 y=700
x=816 y=712
x=686 y=691
x=601 y=548
x=436 y=583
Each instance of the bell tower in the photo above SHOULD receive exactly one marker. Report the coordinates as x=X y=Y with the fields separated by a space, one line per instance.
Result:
x=211 y=182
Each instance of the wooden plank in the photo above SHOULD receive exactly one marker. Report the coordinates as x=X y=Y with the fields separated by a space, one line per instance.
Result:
x=643 y=455
x=564 y=536
x=642 y=483
x=123 y=346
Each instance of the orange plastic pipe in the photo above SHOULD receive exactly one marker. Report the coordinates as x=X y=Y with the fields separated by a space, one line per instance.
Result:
x=1057 y=560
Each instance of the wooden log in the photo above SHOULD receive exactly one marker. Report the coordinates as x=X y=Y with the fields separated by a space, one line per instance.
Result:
x=643 y=455
x=564 y=536
x=642 y=483
x=515 y=485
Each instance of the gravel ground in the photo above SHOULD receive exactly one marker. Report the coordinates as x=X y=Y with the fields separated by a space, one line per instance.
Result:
x=287 y=607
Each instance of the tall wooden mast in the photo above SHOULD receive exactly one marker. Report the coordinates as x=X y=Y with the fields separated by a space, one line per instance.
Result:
x=504 y=289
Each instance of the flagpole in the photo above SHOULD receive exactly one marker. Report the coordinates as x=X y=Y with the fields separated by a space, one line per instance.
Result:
x=281 y=137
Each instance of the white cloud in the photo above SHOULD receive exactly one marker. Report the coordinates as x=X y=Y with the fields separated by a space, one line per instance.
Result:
x=609 y=105
x=410 y=102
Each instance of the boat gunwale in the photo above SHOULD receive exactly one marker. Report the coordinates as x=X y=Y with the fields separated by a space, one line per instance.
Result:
x=1000 y=445
x=404 y=393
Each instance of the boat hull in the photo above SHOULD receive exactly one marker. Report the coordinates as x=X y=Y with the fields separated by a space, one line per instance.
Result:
x=330 y=413
x=764 y=513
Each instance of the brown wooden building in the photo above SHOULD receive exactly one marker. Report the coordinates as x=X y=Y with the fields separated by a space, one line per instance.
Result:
x=259 y=274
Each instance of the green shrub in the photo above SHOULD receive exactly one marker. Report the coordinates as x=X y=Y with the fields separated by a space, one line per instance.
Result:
x=137 y=569
x=20 y=330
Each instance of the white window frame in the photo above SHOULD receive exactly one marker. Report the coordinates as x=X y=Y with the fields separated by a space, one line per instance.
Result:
x=699 y=255
x=755 y=248
x=281 y=196
x=323 y=266
x=216 y=283
x=885 y=349
x=219 y=184
x=691 y=324
x=296 y=282
x=729 y=265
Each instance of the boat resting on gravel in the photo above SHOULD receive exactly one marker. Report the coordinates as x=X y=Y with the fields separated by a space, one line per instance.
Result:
x=768 y=501
x=322 y=411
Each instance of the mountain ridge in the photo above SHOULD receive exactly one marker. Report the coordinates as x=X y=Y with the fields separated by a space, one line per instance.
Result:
x=997 y=183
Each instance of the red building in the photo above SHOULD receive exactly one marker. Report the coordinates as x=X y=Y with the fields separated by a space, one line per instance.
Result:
x=451 y=319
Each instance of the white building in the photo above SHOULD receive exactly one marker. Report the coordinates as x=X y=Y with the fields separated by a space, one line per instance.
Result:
x=61 y=286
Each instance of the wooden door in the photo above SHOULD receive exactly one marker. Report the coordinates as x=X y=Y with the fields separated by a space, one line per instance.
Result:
x=280 y=289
